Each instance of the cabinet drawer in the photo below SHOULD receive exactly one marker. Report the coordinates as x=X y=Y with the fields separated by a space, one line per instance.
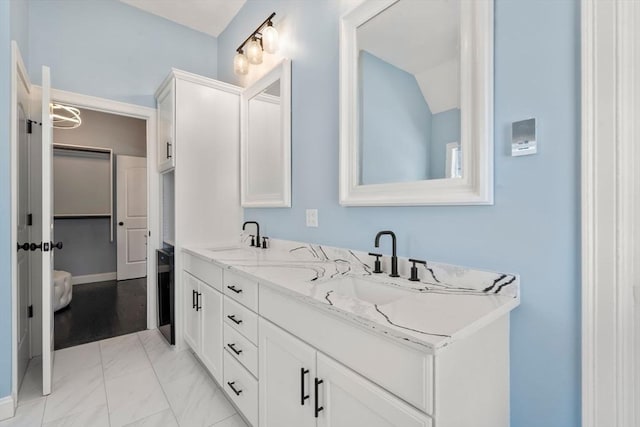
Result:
x=241 y=349
x=209 y=273
x=241 y=289
x=241 y=319
x=403 y=371
x=241 y=388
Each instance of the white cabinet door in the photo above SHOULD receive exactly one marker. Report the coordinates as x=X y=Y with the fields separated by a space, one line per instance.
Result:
x=191 y=312
x=348 y=400
x=287 y=371
x=211 y=313
x=166 y=120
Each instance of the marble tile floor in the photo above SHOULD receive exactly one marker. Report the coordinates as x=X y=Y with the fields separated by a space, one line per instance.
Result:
x=130 y=380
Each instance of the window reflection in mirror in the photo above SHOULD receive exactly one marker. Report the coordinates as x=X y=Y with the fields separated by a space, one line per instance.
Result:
x=265 y=135
x=409 y=93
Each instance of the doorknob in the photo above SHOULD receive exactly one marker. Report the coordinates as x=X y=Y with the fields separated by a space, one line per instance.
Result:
x=121 y=223
x=24 y=246
x=56 y=245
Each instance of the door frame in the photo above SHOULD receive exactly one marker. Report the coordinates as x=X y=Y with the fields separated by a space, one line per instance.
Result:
x=153 y=199
x=610 y=208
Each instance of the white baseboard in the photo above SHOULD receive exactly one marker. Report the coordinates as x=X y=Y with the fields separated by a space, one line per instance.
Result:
x=7 y=408
x=91 y=278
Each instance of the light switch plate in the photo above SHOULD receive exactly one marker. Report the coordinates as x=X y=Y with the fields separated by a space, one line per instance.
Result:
x=312 y=217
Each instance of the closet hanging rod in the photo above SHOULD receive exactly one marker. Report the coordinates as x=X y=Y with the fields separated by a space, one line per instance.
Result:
x=82 y=148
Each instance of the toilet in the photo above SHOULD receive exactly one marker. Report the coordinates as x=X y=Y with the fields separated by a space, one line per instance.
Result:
x=62 y=289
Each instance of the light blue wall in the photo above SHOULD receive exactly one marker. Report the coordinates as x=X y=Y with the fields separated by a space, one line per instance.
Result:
x=395 y=126
x=533 y=228
x=445 y=128
x=108 y=49
x=5 y=203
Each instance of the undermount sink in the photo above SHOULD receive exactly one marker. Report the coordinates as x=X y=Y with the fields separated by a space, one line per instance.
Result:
x=365 y=290
x=233 y=253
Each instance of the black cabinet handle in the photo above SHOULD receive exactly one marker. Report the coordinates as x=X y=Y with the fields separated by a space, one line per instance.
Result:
x=237 y=392
x=24 y=246
x=198 y=306
x=193 y=298
x=33 y=246
x=233 y=348
x=168 y=150
x=121 y=223
x=234 y=289
x=232 y=317
x=56 y=245
x=303 y=397
x=317 y=408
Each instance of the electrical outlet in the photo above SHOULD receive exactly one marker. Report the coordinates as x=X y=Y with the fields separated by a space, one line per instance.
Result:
x=312 y=217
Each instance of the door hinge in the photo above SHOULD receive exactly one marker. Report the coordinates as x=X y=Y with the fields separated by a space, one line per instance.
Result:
x=29 y=219
x=30 y=311
x=30 y=124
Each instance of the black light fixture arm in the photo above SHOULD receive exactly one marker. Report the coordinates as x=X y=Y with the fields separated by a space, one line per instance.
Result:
x=256 y=32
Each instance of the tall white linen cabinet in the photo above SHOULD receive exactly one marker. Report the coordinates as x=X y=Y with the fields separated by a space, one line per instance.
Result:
x=199 y=157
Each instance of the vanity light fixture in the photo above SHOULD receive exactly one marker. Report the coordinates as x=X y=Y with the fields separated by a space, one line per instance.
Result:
x=65 y=117
x=264 y=38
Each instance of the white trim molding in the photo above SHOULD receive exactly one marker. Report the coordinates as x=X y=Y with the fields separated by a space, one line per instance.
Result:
x=153 y=182
x=7 y=407
x=475 y=187
x=93 y=278
x=610 y=208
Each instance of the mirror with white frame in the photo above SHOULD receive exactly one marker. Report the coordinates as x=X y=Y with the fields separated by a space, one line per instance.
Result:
x=265 y=140
x=416 y=103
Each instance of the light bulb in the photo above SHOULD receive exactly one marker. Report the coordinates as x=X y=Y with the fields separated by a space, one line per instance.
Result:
x=270 y=38
x=254 y=51
x=240 y=63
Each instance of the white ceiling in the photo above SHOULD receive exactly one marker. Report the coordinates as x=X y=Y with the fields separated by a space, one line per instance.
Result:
x=207 y=16
x=422 y=38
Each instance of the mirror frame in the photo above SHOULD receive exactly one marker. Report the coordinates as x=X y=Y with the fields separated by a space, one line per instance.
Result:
x=476 y=104
x=282 y=72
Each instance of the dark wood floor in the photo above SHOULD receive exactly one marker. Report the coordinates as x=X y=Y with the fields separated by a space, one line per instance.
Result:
x=102 y=310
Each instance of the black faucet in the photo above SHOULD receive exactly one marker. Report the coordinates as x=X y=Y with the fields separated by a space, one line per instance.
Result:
x=394 y=257
x=257 y=231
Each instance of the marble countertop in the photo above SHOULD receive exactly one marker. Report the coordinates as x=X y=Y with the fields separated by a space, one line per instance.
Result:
x=448 y=303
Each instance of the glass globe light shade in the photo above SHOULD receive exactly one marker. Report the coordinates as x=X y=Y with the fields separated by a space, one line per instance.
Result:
x=254 y=51
x=240 y=63
x=270 y=39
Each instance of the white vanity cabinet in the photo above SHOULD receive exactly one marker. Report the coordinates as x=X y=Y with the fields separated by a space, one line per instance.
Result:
x=298 y=385
x=203 y=308
x=289 y=363
x=165 y=100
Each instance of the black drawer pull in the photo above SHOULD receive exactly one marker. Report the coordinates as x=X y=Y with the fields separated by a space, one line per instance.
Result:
x=237 y=392
x=233 y=348
x=168 y=150
x=232 y=317
x=198 y=306
x=234 y=289
x=303 y=397
x=193 y=299
x=317 y=408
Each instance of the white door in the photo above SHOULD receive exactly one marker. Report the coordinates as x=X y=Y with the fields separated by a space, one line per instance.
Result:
x=211 y=355
x=22 y=117
x=131 y=190
x=47 y=234
x=287 y=371
x=191 y=311
x=349 y=400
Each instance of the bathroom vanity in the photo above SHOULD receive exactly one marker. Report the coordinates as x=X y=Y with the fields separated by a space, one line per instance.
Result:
x=302 y=335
